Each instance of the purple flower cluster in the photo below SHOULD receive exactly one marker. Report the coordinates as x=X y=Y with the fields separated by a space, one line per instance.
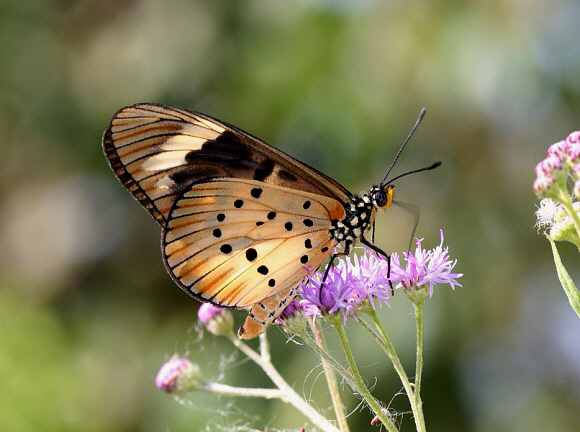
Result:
x=351 y=284
x=562 y=160
x=347 y=286
x=425 y=268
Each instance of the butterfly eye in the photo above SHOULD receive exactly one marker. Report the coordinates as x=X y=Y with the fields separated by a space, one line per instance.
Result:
x=383 y=196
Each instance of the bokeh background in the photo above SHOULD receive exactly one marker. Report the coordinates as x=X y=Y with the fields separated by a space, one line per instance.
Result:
x=87 y=312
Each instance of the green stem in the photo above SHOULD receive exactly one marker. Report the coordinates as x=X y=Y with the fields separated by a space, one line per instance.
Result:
x=418 y=403
x=361 y=387
x=330 y=379
x=565 y=279
x=290 y=395
x=332 y=362
x=386 y=345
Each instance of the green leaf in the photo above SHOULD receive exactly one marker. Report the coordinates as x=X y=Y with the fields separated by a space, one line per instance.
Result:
x=565 y=279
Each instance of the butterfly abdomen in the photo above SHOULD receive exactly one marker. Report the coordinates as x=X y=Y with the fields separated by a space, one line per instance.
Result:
x=264 y=313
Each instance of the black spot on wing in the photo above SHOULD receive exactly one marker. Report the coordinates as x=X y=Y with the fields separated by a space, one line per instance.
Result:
x=251 y=254
x=263 y=270
x=287 y=175
x=228 y=145
x=227 y=151
x=183 y=177
x=238 y=203
x=223 y=153
x=264 y=170
x=256 y=192
x=226 y=248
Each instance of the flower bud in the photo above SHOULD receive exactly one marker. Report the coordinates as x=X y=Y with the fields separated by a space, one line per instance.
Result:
x=218 y=321
x=179 y=376
x=558 y=149
x=293 y=320
x=545 y=187
x=573 y=138
x=573 y=154
x=552 y=166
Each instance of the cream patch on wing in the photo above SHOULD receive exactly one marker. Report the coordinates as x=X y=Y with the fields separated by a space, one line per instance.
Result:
x=166 y=160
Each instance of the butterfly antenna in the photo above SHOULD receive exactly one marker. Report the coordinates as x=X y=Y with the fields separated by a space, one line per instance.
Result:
x=417 y=123
x=430 y=167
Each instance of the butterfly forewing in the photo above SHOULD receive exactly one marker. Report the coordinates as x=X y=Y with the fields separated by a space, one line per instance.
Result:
x=236 y=242
x=158 y=152
x=243 y=223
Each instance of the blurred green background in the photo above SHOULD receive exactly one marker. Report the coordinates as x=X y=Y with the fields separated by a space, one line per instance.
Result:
x=87 y=312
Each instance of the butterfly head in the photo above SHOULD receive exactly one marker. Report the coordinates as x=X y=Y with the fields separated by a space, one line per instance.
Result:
x=382 y=196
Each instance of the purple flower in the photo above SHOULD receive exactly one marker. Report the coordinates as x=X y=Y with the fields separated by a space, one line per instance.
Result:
x=337 y=294
x=348 y=285
x=352 y=284
x=293 y=309
x=424 y=268
x=216 y=320
x=179 y=375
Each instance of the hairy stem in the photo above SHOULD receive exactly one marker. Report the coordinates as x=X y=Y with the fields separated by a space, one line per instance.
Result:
x=360 y=385
x=386 y=345
x=226 y=390
x=330 y=379
x=291 y=396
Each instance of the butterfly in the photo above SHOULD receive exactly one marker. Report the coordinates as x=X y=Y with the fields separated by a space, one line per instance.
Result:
x=243 y=224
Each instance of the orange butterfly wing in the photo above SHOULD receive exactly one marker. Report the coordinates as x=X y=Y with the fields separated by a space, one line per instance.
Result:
x=187 y=168
x=158 y=151
x=235 y=242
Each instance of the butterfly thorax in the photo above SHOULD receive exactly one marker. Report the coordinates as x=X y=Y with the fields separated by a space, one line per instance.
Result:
x=360 y=214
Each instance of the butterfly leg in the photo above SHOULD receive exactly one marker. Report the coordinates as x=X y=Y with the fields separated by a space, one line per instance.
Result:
x=328 y=267
x=379 y=251
x=263 y=313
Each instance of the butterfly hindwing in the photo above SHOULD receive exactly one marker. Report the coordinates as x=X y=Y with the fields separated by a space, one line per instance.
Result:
x=243 y=223
x=158 y=152
x=236 y=242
